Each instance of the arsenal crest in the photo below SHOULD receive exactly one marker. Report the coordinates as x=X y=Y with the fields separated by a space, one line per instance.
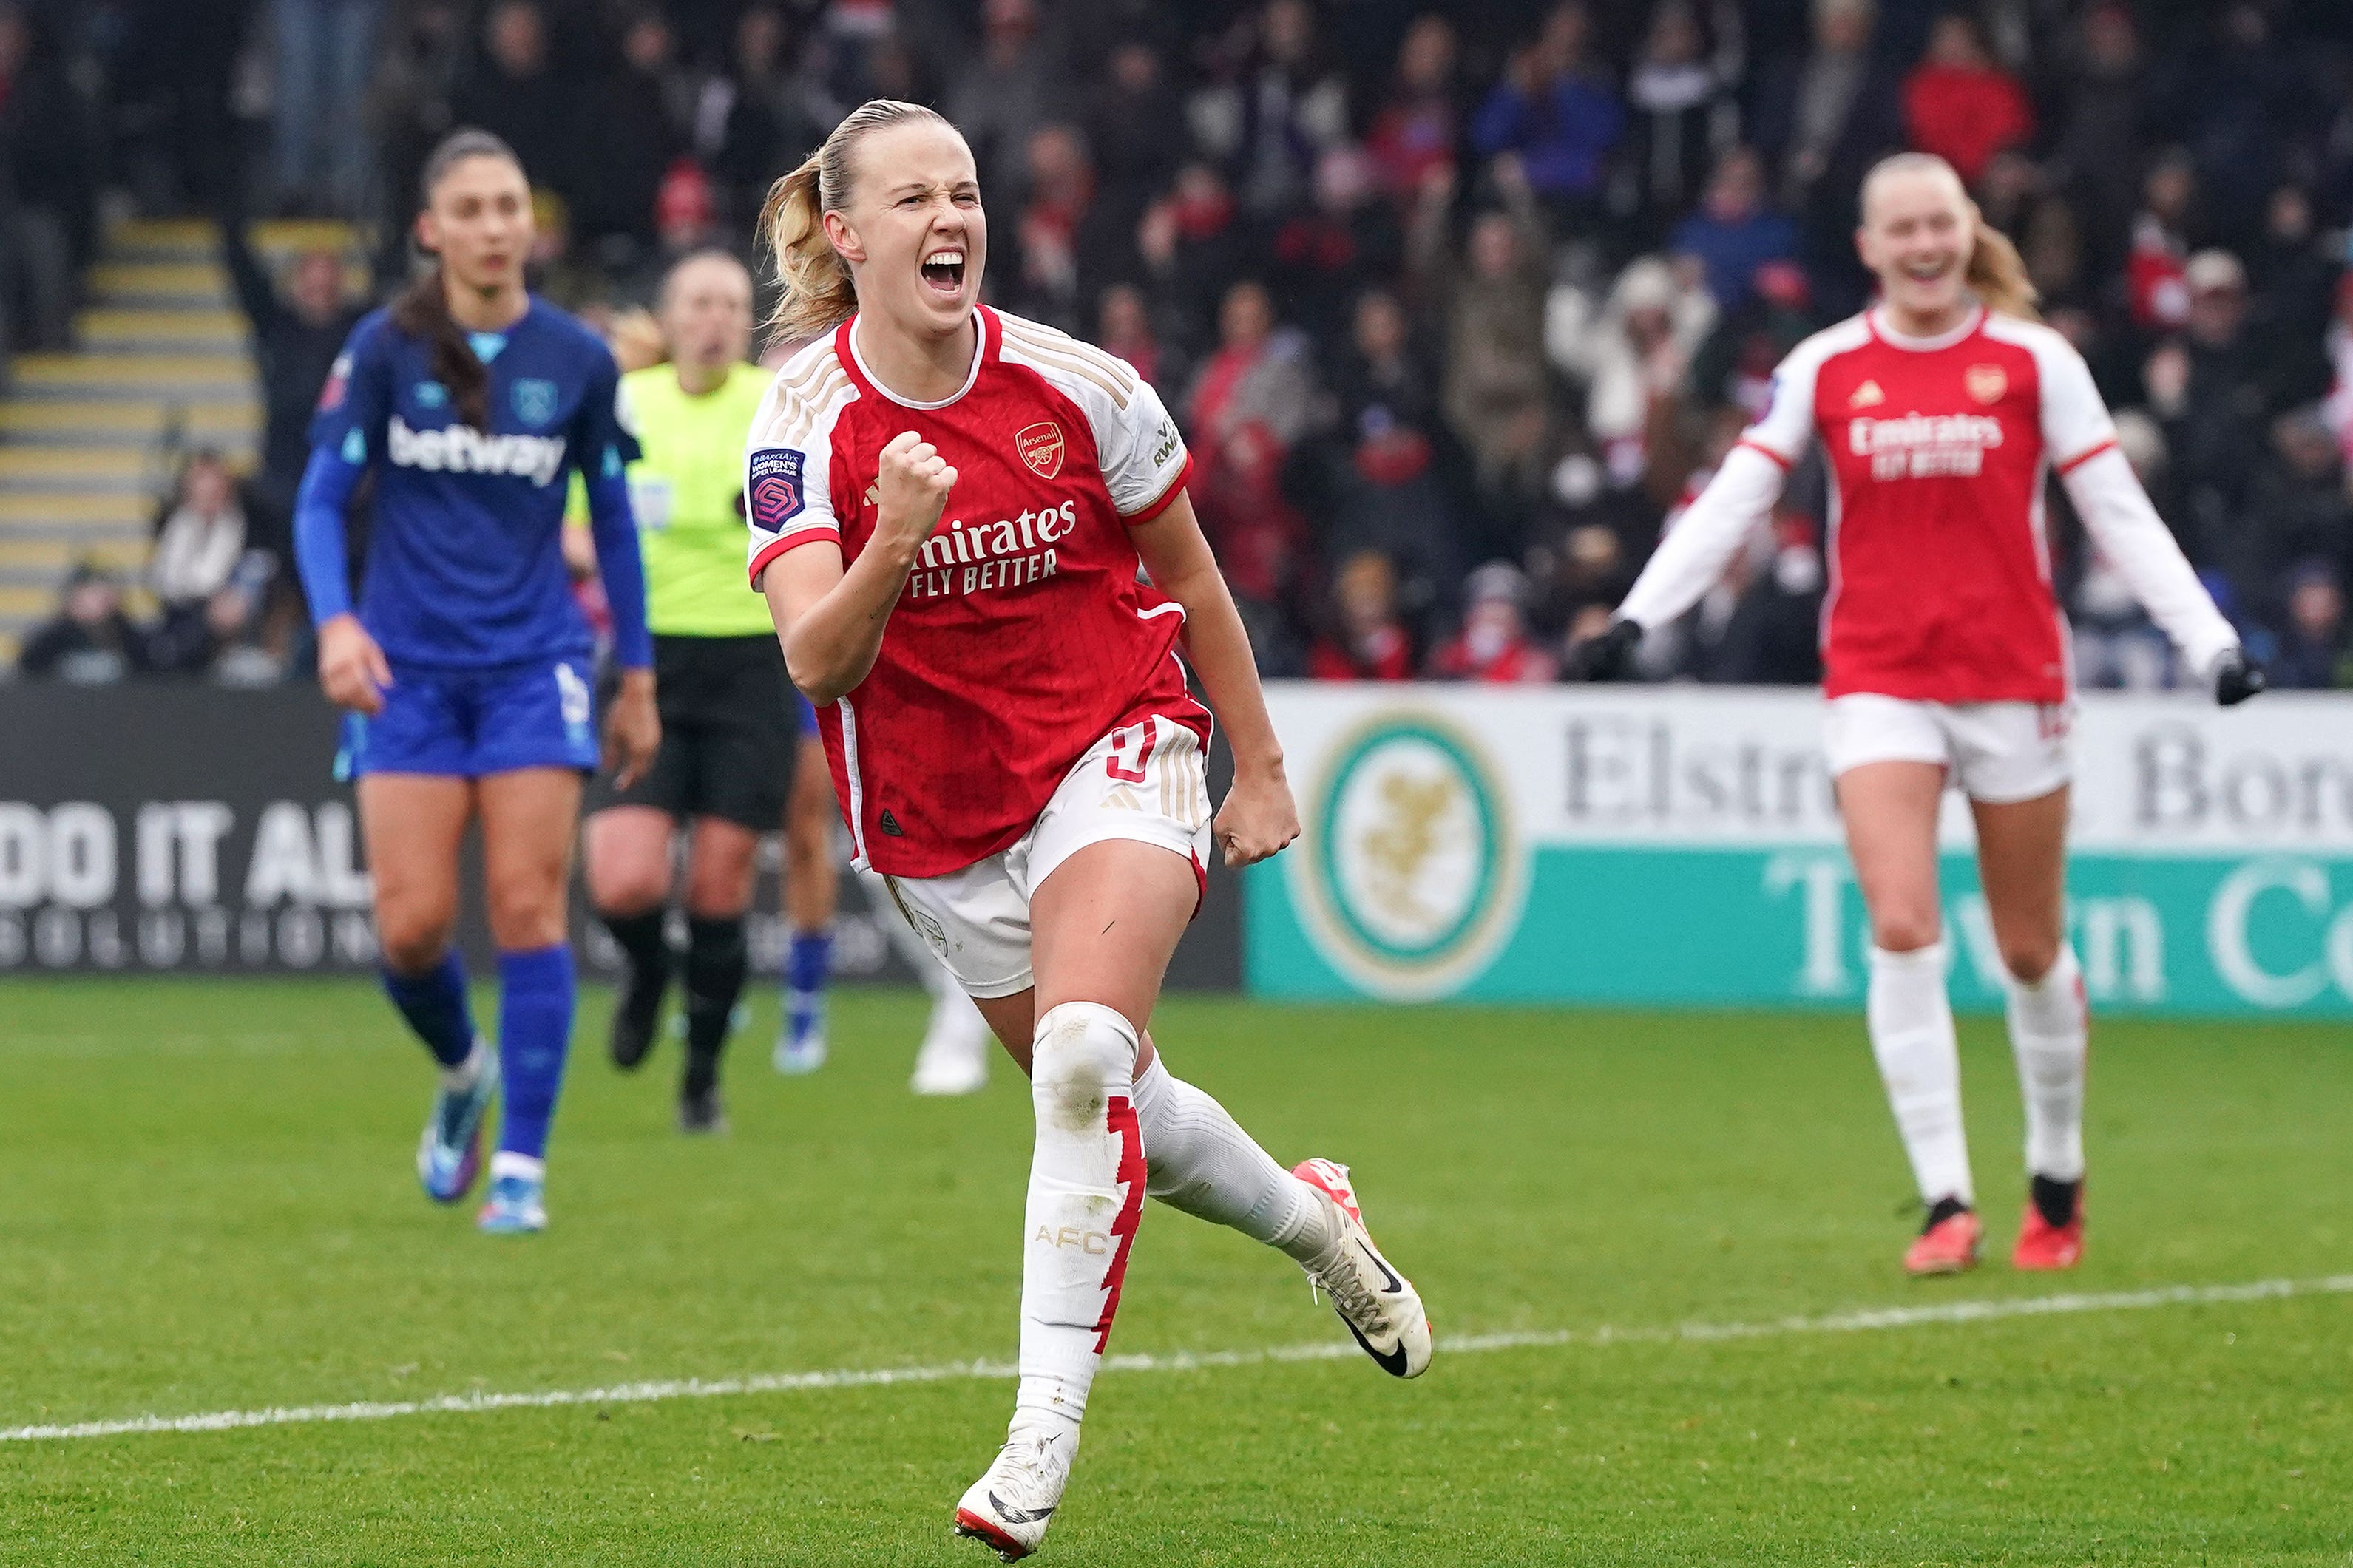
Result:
x=1986 y=383
x=1041 y=445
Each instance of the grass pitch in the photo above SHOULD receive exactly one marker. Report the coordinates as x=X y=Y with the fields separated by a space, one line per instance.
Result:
x=209 y=1207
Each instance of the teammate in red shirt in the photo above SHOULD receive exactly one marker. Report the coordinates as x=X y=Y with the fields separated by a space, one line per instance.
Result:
x=1942 y=410
x=951 y=509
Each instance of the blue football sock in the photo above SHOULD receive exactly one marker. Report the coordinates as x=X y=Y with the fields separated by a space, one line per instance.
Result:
x=534 y=1034
x=806 y=967
x=435 y=1004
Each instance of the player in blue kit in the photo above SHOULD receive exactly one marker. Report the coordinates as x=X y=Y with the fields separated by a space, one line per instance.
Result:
x=466 y=664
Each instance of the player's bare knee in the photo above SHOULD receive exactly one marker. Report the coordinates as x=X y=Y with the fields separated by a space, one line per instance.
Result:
x=718 y=892
x=804 y=850
x=524 y=915
x=2029 y=959
x=720 y=903
x=1079 y=1051
x=631 y=890
x=412 y=940
x=1904 y=931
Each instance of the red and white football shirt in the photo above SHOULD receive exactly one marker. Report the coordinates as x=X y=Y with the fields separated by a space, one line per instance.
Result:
x=1939 y=570
x=1024 y=635
x=1939 y=567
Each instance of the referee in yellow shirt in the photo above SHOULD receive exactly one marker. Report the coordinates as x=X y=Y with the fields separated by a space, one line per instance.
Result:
x=731 y=722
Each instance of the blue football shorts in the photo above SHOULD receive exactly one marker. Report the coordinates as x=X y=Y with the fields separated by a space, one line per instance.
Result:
x=466 y=724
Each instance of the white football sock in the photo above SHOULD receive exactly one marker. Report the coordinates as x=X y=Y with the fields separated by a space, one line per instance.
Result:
x=2049 y=1029
x=1203 y=1163
x=506 y=1162
x=1086 y=1197
x=1911 y=1021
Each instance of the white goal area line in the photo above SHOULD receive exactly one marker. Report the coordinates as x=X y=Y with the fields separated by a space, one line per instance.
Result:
x=1859 y=1321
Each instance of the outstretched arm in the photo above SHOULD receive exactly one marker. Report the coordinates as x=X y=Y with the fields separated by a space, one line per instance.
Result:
x=1687 y=562
x=1692 y=558
x=2116 y=513
x=829 y=620
x=2108 y=496
x=1259 y=817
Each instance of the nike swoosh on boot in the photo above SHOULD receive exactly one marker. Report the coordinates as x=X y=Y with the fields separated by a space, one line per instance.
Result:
x=1031 y=1516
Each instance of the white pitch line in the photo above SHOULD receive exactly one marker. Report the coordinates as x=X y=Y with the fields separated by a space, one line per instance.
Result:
x=1858 y=1320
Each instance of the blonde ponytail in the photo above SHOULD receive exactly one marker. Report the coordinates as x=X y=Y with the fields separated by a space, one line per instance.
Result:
x=1997 y=274
x=813 y=281
x=815 y=291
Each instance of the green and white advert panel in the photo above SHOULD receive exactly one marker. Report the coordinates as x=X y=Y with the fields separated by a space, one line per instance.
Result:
x=1648 y=845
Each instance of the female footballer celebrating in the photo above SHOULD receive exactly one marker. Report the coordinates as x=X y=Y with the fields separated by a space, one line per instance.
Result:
x=465 y=665
x=949 y=507
x=1941 y=410
x=739 y=745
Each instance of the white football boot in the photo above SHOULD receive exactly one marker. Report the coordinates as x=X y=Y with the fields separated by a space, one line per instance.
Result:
x=1380 y=1307
x=1010 y=1505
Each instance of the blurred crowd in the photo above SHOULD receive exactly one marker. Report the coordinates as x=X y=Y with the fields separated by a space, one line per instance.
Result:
x=1458 y=304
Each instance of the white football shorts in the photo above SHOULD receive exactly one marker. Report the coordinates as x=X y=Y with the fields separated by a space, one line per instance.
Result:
x=1148 y=781
x=1996 y=751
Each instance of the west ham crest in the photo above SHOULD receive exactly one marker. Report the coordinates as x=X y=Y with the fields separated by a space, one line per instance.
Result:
x=535 y=400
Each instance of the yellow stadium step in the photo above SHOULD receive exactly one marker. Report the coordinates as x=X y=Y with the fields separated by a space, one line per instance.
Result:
x=71 y=462
x=22 y=508
x=22 y=605
x=71 y=469
x=160 y=282
x=127 y=420
x=133 y=375
x=57 y=556
x=10 y=646
x=118 y=329
x=289 y=235
x=159 y=234
x=182 y=240
x=84 y=534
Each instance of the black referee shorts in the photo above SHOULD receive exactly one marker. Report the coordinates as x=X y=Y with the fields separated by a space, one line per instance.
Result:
x=731 y=730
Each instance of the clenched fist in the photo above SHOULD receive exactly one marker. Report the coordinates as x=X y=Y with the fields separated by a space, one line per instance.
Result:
x=914 y=485
x=1258 y=818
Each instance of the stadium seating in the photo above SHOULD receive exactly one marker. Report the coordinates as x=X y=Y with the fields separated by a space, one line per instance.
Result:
x=89 y=439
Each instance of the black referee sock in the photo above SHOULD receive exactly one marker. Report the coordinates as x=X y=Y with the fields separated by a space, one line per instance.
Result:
x=716 y=964
x=2054 y=1200
x=644 y=940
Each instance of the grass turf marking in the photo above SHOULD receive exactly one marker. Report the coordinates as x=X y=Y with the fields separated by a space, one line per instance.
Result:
x=1858 y=1320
